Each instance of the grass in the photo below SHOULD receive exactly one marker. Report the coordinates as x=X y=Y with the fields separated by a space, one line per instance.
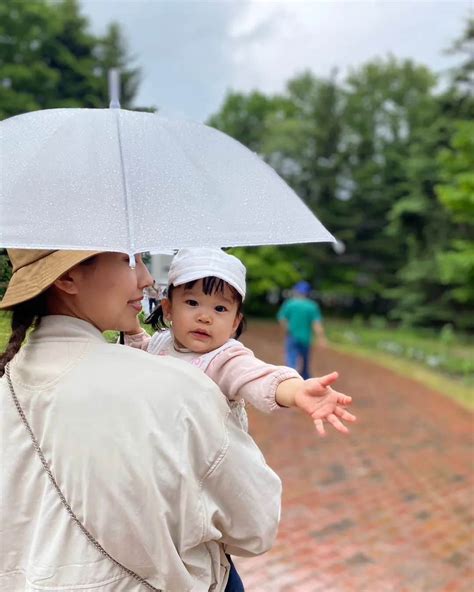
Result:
x=442 y=351
x=441 y=360
x=4 y=330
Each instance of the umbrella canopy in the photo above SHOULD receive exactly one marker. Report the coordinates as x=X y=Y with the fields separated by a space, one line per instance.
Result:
x=117 y=180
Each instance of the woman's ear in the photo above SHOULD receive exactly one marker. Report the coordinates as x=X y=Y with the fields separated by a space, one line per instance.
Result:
x=167 y=309
x=67 y=283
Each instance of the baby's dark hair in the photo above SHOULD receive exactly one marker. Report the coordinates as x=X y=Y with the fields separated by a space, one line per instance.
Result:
x=210 y=285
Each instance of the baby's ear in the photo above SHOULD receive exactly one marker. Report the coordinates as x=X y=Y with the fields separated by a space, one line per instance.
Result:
x=166 y=306
x=238 y=318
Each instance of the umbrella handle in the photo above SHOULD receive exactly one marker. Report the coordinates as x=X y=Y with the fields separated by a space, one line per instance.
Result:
x=114 y=88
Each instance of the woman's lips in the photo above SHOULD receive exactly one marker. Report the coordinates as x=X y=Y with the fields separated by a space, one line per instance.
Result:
x=136 y=304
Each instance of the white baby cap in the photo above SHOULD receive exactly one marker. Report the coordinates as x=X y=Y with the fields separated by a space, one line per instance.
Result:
x=196 y=263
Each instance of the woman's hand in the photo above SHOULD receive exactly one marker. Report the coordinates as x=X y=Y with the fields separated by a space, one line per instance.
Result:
x=322 y=403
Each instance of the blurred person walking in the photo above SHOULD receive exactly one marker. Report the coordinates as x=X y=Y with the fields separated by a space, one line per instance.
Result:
x=152 y=294
x=302 y=319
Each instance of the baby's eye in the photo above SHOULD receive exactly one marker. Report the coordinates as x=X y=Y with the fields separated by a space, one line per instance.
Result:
x=220 y=308
x=191 y=302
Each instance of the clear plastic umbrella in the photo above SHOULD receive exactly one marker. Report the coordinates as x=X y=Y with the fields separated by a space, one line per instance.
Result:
x=117 y=180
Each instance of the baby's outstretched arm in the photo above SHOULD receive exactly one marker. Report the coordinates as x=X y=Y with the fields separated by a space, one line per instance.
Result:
x=240 y=374
x=316 y=398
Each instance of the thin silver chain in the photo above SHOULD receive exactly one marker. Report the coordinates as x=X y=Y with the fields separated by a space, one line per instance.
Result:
x=37 y=447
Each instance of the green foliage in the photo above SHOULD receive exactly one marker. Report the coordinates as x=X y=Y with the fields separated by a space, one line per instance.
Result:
x=444 y=350
x=268 y=272
x=112 y=52
x=456 y=193
x=362 y=153
x=435 y=279
x=50 y=59
x=5 y=329
x=4 y=271
x=388 y=104
x=462 y=76
x=382 y=157
x=246 y=118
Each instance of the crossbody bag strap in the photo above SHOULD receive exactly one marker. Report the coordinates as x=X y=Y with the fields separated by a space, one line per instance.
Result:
x=65 y=503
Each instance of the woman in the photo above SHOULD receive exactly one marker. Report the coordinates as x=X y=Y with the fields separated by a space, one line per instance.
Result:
x=158 y=477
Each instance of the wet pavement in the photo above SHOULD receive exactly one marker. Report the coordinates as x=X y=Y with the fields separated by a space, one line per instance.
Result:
x=389 y=508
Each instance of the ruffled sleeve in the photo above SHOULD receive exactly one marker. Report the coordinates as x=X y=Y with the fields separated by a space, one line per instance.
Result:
x=138 y=340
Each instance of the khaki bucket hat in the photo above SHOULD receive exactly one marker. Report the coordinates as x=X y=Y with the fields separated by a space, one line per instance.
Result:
x=35 y=270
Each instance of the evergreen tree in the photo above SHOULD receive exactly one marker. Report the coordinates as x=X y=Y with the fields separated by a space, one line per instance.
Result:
x=49 y=58
x=456 y=192
x=112 y=52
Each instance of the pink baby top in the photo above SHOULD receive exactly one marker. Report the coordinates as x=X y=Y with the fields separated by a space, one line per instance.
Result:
x=234 y=368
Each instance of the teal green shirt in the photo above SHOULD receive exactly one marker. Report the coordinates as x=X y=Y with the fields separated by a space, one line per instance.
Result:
x=300 y=314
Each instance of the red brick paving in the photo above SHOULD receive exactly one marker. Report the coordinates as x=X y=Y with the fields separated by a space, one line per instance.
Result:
x=390 y=508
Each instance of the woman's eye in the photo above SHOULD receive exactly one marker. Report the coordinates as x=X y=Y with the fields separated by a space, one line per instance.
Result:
x=221 y=308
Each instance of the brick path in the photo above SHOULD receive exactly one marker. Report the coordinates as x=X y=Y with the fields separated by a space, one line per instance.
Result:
x=389 y=508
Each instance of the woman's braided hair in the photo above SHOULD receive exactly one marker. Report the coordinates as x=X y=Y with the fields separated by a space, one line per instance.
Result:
x=25 y=316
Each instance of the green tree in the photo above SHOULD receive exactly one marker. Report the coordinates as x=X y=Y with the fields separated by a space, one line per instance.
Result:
x=269 y=270
x=461 y=94
x=422 y=295
x=49 y=58
x=27 y=82
x=389 y=106
x=247 y=118
x=305 y=149
x=296 y=133
x=112 y=52
x=362 y=154
x=456 y=193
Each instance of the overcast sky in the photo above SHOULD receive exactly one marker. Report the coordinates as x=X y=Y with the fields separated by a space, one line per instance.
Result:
x=192 y=52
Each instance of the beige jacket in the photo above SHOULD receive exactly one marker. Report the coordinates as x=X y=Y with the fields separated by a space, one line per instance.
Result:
x=147 y=454
x=237 y=372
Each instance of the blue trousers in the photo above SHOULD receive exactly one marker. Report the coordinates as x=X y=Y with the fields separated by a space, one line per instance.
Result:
x=234 y=583
x=297 y=356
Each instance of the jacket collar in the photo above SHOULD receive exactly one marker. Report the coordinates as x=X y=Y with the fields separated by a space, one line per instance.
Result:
x=64 y=328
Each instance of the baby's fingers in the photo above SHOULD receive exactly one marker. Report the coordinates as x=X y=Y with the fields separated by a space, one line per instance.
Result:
x=336 y=423
x=328 y=379
x=345 y=415
x=342 y=399
x=320 y=427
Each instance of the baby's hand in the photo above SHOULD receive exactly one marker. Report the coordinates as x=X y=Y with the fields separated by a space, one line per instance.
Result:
x=316 y=398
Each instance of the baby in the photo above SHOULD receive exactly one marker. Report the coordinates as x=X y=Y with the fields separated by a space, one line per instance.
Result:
x=203 y=310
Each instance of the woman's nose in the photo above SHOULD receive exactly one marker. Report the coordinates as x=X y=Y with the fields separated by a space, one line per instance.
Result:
x=144 y=277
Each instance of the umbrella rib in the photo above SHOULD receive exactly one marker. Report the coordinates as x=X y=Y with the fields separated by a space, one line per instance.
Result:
x=130 y=228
